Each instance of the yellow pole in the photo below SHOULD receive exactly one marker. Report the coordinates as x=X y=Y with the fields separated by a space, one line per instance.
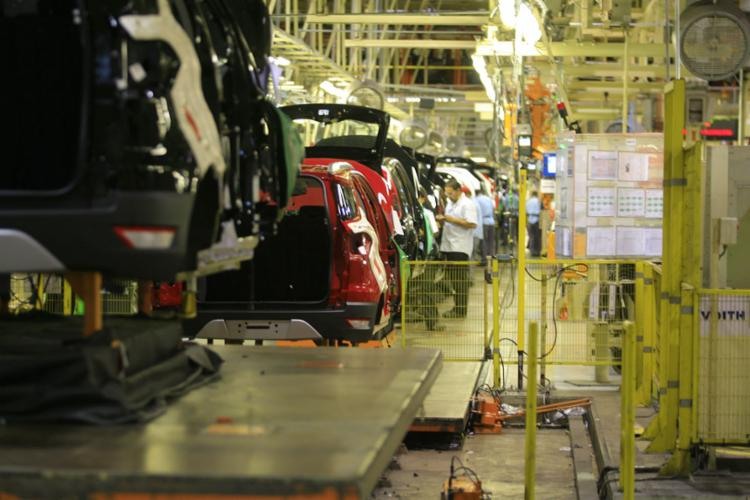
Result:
x=486 y=310
x=543 y=329
x=530 y=449
x=640 y=322
x=649 y=303
x=496 y=323
x=68 y=298
x=627 y=414
x=521 y=249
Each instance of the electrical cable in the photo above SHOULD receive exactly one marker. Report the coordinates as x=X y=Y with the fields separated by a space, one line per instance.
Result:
x=571 y=267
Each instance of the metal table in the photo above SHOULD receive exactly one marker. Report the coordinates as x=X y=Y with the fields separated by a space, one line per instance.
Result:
x=313 y=423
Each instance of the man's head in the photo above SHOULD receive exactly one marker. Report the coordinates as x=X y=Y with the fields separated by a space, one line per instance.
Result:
x=453 y=190
x=534 y=194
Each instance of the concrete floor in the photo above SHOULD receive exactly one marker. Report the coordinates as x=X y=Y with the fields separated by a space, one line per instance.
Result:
x=498 y=461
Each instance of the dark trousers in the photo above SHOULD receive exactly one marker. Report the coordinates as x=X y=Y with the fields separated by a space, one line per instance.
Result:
x=535 y=238
x=488 y=243
x=458 y=278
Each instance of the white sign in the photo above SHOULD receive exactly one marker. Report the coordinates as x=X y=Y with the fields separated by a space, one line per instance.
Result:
x=547 y=186
x=731 y=312
x=600 y=241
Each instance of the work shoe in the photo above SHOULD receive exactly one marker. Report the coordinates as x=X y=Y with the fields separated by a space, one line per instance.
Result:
x=453 y=313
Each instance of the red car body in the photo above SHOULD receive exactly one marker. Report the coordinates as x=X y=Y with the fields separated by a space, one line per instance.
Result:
x=326 y=275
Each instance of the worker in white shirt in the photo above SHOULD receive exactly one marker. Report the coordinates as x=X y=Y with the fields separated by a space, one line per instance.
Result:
x=459 y=222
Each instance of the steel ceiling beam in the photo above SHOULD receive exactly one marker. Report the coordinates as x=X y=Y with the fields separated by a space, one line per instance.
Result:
x=575 y=49
x=505 y=49
x=411 y=44
x=402 y=19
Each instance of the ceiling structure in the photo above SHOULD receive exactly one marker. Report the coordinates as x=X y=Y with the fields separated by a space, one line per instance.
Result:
x=419 y=52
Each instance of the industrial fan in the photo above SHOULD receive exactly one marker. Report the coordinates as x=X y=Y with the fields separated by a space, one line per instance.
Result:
x=454 y=145
x=435 y=143
x=414 y=134
x=714 y=39
x=367 y=94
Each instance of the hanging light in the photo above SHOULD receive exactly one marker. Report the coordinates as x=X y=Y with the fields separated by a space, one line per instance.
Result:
x=524 y=21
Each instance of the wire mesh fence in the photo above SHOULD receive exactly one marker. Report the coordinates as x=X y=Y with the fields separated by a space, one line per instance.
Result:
x=580 y=307
x=52 y=294
x=445 y=306
x=723 y=381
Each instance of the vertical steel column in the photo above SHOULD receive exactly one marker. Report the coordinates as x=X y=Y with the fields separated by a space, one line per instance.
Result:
x=521 y=250
x=674 y=182
x=741 y=117
x=627 y=414
x=690 y=280
x=530 y=441
x=625 y=83
x=496 y=323
x=677 y=55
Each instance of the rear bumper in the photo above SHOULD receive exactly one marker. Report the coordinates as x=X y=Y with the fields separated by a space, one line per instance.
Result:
x=82 y=237
x=318 y=324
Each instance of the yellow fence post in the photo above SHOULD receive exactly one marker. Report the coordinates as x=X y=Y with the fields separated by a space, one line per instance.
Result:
x=67 y=298
x=530 y=448
x=672 y=255
x=627 y=413
x=640 y=325
x=521 y=250
x=679 y=464
x=486 y=325
x=543 y=328
x=647 y=323
x=496 y=323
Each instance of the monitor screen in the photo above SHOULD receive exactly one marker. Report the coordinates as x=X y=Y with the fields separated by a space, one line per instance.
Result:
x=549 y=166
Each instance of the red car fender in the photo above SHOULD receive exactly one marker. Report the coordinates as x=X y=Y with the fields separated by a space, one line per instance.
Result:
x=362 y=225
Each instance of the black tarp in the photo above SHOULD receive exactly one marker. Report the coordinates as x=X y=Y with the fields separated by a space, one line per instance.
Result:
x=126 y=372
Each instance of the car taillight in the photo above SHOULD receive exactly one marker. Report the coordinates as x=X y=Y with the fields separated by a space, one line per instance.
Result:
x=358 y=323
x=150 y=237
x=361 y=244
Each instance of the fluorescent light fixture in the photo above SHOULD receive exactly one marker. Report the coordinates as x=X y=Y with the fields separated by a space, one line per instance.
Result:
x=483 y=107
x=524 y=21
x=480 y=66
x=280 y=61
x=328 y=87
x=508 y=13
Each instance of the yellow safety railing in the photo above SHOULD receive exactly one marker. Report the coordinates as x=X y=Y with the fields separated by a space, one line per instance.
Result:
x=721 y=388
x=51 y=293
x=446 y=305
x=580 y=306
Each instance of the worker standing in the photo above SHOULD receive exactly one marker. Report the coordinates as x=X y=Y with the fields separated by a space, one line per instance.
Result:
x=533 y=209
x=487 y=216
x=459 y=222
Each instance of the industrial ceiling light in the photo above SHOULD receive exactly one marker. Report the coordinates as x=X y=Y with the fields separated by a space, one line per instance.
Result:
x=367 y=93
x=480 y=66
x=524 y=20
x=330 y=88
